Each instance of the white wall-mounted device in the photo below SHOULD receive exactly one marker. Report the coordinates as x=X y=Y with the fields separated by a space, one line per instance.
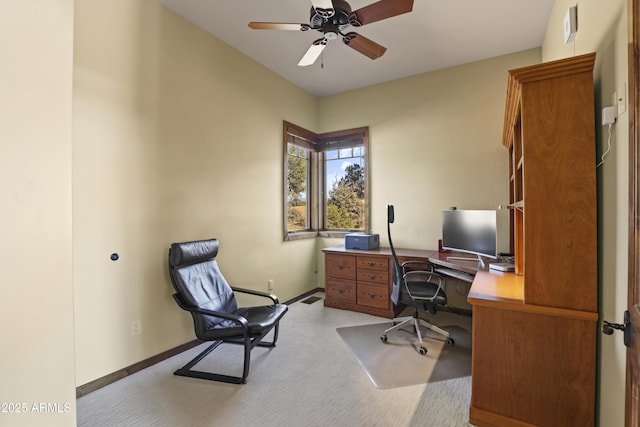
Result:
x=608 y=119
x=570 y=24
x=608 y=116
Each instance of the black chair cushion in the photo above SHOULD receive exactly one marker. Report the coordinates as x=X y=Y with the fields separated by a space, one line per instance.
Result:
x=260 y=319
x=182 y=254
x=203 y=286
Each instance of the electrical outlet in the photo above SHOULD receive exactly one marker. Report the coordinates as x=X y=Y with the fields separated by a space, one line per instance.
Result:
x=270 y=284
x=136 y=327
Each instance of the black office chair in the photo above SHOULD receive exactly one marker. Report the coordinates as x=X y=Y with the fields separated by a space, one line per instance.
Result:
x=415 y=284
x=202 y=290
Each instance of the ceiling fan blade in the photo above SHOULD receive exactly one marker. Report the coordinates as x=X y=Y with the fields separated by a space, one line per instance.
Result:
x=380 y=10
x=278 y=26
x=313 y=52
x=364 y=45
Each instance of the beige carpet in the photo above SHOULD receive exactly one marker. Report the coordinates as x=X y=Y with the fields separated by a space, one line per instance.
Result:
x=310 y=379
x=397 y=362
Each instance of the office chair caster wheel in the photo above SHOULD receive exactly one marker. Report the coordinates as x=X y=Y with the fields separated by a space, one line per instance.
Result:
x=383 y=338
x=423 y=350
x=450 y=341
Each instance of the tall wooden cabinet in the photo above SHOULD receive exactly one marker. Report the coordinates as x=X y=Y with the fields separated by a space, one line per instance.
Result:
x=534 y=331
x=549 y=132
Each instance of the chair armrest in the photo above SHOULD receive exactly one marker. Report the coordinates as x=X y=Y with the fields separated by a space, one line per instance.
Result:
x=431 y=275
x=241 y=321
x=417 y=262
x=271 y=296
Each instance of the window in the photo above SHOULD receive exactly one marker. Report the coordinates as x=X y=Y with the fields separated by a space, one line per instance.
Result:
x=298 y=164
x=326 y=182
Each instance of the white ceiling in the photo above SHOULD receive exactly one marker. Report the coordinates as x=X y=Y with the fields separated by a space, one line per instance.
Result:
x=437 y=34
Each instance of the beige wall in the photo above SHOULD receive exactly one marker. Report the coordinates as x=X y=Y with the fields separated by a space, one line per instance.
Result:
x=602 y=27
x=177 y=136
x=36 y=312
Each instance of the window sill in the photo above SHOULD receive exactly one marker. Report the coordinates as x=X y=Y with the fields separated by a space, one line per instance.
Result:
x=300 y=235
x=334 y=234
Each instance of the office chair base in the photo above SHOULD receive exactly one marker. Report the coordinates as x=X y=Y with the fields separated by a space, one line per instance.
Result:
x=401 y=322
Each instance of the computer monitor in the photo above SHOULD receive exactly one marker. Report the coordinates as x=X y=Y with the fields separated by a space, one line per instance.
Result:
x=470 y=231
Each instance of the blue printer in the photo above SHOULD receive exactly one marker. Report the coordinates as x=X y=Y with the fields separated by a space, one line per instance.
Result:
x=363 y=241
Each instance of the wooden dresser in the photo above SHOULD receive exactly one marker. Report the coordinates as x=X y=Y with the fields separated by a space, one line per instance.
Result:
x=534 y=332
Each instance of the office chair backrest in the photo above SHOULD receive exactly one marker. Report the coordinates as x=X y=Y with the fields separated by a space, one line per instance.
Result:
x=198 y=281
x=397 y=276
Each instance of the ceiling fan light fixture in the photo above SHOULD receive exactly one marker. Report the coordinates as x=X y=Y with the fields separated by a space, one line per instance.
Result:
x=330 y=35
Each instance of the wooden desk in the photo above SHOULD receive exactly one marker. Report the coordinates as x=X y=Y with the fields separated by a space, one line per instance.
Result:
x=497 y=288
x=361 y=280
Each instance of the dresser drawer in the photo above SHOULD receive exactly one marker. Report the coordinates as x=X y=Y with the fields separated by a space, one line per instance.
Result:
x=373 y=295
x=376 y=276
x=341 y=266
x=373 y=263
x=341 y=290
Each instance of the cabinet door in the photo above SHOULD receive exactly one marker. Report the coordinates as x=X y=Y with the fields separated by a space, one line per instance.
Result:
x=560 y=193
x=526 y=363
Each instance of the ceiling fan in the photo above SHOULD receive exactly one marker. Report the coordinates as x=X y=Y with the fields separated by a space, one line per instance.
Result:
x=334 y=17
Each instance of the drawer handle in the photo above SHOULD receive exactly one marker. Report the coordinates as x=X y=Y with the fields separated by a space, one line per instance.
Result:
x=372 y=264
x=372 y=277
x=341 y=291
x=372 y=296
x=341 y=267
